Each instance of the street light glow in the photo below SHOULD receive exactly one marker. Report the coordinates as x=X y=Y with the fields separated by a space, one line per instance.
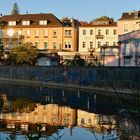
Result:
x=10 y=32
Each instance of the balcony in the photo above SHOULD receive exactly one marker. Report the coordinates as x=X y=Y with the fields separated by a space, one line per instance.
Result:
x=99 y=36
x=15 y=36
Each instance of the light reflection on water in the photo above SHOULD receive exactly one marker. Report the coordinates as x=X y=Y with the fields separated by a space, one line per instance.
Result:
x=64 y=114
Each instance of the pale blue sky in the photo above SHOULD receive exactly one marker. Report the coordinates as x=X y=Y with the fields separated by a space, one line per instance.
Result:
x=79 y=9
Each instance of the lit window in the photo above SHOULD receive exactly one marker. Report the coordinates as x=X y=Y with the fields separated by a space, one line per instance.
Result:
x=27 y=32
x=25 y=22
x=84 y=32
x=84 y=44
x=43 y=22
x=12 y=23
x=37 y=33
x=46 y=33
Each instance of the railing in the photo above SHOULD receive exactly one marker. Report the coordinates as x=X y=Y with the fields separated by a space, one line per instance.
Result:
x=99 y=36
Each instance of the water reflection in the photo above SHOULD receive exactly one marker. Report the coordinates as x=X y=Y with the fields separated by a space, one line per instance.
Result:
x=61 y=113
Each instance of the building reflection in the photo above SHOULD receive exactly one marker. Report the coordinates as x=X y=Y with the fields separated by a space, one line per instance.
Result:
x=53 y=117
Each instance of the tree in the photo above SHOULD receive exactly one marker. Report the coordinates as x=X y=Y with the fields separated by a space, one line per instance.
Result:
x=15 y=10
x=76 y=61
x=24 y=54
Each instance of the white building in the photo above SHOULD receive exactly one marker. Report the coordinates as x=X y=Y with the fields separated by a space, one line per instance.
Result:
x=100 y=32
x=129 y=22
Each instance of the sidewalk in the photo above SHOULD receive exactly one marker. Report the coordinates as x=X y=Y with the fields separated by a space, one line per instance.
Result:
x=68 y=86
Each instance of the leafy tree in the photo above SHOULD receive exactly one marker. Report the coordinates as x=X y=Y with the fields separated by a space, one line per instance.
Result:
x=76 y=61
x=24 y=54
x=15 y=10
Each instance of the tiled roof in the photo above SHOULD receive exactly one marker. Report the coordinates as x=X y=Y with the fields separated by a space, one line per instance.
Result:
x=33 y=18
x=130 y=15
x=114 y=24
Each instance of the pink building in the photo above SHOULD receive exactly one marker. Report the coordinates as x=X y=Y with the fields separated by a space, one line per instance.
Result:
x=130 y=49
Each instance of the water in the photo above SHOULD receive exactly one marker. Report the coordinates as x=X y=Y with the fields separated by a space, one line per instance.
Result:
x=60 y=114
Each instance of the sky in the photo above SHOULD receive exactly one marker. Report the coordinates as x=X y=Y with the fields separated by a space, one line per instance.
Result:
x=85 y=10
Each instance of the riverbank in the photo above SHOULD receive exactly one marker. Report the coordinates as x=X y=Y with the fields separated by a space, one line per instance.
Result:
x=107 y=90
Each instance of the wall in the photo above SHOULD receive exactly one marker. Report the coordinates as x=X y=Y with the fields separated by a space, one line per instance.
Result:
x=125 y=77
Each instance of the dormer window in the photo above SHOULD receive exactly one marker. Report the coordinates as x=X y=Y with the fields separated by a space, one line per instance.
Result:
x=25 y=22
x=12 y=23
x=43 y=22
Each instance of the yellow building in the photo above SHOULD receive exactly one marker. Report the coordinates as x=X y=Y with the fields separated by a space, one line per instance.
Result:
x=45 y=31
x=129 y=22
x=100 y=32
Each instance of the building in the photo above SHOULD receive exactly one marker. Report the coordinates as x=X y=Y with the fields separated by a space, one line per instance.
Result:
x=130 y=49
x=45 y=31
x=130 y=21
x=100 y=32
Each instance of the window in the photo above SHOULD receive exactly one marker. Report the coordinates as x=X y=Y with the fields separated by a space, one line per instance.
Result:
x=54 y=45
x=114 y=32
x=91 y=32
x=99 y=44
x=19 y=32
x=36 y=33
x=43 y=22
x=107 y=32
x=125 y=27
x=36 y=44
x=84 y=44
x=54 y=32
x=107 y=43
x=127 y=49
x=114 y=43
x=67 y=45
x=67 y=32
x=46 y=45
x=46 y=33
x=99 y=32
x=91 y=45
x=25 y=22
x=84 y=32
x=127 y=61
x=12 y=23
x=27 y=32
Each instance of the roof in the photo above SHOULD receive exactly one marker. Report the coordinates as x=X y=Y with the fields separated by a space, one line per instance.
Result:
x=130 y=15
x=33 y=18
x=114 y=24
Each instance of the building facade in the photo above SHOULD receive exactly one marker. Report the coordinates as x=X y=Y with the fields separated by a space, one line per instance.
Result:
x=45 y=31
x=130 y=21
x=130 y=49
x=100 y=32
